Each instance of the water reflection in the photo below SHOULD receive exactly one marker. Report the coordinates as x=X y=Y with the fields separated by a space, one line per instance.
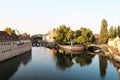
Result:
x=116 y=65
x=9 y=67
x=84 y=59
x=51 y=64
x=65 y=60
x=102 y=65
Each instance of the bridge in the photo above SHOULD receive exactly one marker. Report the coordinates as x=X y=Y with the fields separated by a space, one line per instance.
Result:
x=38 y=43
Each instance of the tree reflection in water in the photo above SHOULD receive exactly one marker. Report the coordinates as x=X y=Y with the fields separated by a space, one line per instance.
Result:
x=9 y=67
x=102 y=65
x=84 y=59
x=65 y=60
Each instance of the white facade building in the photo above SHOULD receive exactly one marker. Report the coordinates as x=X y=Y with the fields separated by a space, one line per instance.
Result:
x=115 y=43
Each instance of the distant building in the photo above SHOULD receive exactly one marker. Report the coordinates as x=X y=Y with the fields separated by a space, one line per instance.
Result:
x=7 y=36
x=45 y=37
x=115 y=42
x=50 y=36
x=24 y=36
x=96 y=38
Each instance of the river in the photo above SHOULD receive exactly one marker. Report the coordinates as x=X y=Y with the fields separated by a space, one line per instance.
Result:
x=48 y=64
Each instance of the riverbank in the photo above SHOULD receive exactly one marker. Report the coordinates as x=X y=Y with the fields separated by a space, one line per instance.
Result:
x=73 y=48
x=110 y=52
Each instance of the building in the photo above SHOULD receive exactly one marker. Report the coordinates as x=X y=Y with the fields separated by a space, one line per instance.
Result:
x=115 y=42
x=96 y=38
x=12 y=45
x=45 y=37
x=4 y=36
x=49 y=37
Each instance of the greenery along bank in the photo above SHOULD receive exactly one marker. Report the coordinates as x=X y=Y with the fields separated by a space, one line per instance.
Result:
x=105 y=34
x=65 y=35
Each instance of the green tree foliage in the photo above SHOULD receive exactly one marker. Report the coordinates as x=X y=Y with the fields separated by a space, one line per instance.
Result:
x=77 y=33
x=70 y=35
x=112 y=32
x=9 y=30
x=118 y=31
x=103 y=32
x=61 y=37
x=84 y=36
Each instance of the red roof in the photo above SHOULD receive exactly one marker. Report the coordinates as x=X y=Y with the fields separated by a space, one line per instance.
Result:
x=24 y=36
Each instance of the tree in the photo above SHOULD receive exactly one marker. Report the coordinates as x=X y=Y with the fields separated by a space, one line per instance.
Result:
x=103 y=33
x=61 y=37
x=9 y=30
x=112 y=32
x=84 y=36
x=118 y=31
x=70 y=35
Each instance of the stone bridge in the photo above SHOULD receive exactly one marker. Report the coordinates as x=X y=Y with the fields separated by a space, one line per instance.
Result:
x=38 y=43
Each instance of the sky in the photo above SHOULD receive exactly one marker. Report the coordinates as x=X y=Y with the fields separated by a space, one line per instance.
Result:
x=41 y=16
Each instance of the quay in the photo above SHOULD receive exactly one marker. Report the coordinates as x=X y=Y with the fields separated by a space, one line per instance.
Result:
x=72 y=48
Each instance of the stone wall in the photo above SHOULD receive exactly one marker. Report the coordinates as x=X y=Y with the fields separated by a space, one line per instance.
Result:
x=10 y=49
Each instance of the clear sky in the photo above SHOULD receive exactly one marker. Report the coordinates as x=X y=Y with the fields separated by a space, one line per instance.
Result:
x=40 y=16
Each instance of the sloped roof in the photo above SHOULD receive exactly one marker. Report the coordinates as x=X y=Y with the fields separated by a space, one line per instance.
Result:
x=4 y=36
x=7 y=36
x=24 y=36
x=3 y=33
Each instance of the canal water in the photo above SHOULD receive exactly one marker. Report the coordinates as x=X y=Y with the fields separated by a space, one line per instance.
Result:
x=48 y=64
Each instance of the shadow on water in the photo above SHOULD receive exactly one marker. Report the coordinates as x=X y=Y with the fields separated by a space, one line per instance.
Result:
x=9 y=67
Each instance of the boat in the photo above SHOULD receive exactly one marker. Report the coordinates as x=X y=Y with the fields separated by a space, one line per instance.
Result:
x=12 y=45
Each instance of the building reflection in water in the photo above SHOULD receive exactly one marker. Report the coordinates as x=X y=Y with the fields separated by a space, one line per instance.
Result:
x=9 y=67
